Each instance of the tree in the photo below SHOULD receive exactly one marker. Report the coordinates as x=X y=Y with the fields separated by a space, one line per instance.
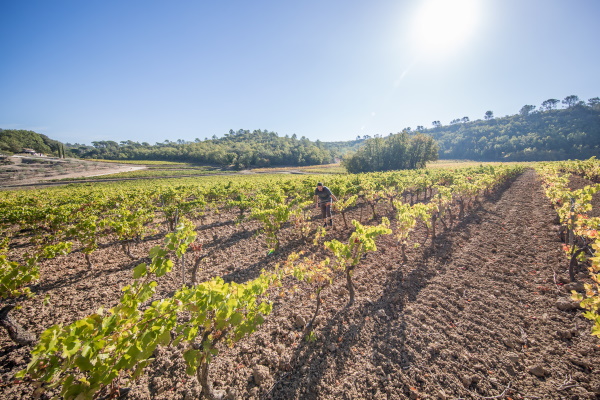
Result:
x=489 y=115
x=526 y=109
x=421 y=150
x=394 y=152
x=420 y=128
x=570 y=101
x=465 y=119
x=550 y=104
x=594 y=101
x=436 y=124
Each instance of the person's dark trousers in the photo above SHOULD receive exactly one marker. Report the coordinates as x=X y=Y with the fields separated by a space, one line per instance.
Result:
x=326 y=212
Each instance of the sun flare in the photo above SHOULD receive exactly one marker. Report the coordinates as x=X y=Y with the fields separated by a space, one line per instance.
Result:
x=444 y=24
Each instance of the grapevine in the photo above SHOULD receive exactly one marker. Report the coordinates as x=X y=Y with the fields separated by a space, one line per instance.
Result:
x=360 y=242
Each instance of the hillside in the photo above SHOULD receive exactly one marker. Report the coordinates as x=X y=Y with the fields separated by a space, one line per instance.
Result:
x=241 y=149
x=571 y=133
x=15 y=140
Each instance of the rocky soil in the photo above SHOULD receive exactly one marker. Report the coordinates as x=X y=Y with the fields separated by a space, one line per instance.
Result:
x=483 y=313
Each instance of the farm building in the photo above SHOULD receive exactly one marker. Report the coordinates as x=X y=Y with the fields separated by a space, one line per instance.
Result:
x=32 y=152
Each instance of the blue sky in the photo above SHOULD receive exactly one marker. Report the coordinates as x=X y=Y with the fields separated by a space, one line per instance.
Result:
x=83 y=71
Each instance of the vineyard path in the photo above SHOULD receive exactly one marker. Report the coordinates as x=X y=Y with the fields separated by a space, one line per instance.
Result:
x=476 y=317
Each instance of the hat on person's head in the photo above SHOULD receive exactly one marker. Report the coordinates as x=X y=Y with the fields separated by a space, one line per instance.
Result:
x=319 y=184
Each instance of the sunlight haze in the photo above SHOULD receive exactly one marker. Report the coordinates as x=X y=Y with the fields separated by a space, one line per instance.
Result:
x=444 y=25
x=151 y=71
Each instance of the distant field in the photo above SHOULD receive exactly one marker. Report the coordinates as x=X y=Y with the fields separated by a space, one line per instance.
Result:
x=152 y=172
x=339 y=169
x=144 y=162
x=164 y=169
x=319 y=169
x=325 y=169
x=469 y=163
x=184 y=169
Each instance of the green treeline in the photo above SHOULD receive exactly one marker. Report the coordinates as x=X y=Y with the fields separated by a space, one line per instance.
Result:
x=531 y=135
x=544 y=135
x=14 y=141
x=340 y=149
x=240 y=149
x=394 y=152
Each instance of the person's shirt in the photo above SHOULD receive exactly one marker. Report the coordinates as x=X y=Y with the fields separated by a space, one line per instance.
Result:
x=324 y=195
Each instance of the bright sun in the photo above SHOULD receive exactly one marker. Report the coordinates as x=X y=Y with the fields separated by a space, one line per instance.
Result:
x=444 y=24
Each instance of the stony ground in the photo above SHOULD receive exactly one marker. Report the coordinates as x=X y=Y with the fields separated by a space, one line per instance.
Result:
x=483 y=313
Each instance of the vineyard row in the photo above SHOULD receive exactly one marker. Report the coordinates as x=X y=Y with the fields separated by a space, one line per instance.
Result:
x=94 y=355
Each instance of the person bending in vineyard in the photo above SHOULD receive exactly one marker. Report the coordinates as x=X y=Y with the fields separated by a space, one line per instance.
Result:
x=323 y=199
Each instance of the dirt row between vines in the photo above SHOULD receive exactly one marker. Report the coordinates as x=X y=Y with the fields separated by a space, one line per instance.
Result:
x=483 y=313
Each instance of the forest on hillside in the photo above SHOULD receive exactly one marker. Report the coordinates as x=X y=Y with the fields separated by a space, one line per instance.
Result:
x=240 y=149
x=531 y=135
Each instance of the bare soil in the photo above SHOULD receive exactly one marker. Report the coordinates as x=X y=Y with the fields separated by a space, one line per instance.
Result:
x=28 y=171
x=484 y=313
